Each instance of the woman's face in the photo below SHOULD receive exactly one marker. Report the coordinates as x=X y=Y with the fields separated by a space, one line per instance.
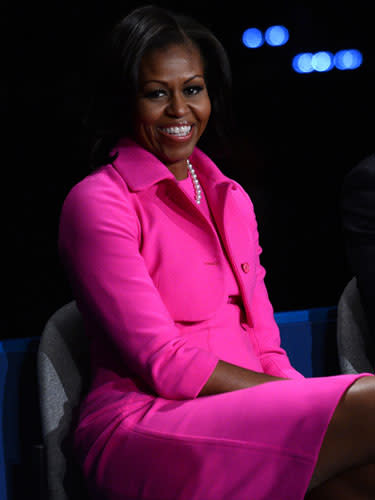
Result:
x=172 y=105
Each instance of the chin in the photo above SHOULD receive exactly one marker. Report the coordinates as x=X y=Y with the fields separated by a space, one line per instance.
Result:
x=181 y=154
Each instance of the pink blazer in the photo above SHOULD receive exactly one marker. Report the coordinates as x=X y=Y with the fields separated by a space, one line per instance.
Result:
x=140 y=256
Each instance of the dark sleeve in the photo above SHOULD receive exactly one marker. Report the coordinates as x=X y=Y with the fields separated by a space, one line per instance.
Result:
x=358 y=221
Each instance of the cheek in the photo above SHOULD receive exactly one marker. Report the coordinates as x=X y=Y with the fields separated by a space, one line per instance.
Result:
x=145 y=128
x=146 y=115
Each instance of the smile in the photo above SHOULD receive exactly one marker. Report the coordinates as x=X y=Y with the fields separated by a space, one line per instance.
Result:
x=181 y=131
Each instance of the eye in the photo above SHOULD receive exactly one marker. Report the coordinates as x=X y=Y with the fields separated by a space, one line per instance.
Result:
x=155 y=94
x=193 y=90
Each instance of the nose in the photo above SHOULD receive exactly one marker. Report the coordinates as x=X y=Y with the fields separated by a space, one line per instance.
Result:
x=177 y=105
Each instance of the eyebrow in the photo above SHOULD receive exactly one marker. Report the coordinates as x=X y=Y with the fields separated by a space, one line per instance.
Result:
x=166 y=83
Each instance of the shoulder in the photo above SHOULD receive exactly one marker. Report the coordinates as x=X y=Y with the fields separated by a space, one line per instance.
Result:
x=101 y=199
x=244 y=201
x=243 y=194
x=103 y=181
x=214 y=175
x=100 y=187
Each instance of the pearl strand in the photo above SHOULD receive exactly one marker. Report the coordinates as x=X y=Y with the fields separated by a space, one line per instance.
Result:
x=194 y=178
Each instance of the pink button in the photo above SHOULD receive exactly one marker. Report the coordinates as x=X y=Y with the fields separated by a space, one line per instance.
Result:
x=245 y=267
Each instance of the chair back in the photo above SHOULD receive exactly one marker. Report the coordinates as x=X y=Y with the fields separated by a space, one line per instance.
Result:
x=355 y=345
x=63 y=374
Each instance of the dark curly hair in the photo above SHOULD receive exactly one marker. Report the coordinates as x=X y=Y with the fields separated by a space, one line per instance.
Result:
x=115 y=81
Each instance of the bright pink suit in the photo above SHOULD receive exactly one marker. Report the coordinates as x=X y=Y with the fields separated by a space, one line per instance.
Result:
x=166 y=289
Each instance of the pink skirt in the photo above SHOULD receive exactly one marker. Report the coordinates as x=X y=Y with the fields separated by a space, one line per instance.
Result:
x=259 y=443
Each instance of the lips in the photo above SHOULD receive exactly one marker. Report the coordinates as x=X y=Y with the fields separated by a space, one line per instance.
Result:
x=180 y=131
x=177 y=132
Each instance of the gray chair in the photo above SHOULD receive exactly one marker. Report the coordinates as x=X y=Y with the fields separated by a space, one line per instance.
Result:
x=63 y=373
x=355 y=345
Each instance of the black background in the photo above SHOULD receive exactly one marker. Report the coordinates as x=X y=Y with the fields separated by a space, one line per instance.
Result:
x=297 y=137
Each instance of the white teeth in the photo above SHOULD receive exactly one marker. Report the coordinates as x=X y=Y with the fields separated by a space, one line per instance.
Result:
x=179 y=131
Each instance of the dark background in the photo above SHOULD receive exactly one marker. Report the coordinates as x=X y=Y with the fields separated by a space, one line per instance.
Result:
x=297 y=136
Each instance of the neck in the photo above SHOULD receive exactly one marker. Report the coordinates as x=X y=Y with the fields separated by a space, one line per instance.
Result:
x=179 y=169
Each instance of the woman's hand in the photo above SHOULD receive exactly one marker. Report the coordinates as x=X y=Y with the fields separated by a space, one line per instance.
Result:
x=227 y=377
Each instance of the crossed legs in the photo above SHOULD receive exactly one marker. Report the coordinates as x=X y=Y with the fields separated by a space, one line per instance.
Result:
x=346 y=463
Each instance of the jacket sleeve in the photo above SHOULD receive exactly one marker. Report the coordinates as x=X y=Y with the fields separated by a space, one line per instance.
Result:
x=99 y=243
x=266 y=332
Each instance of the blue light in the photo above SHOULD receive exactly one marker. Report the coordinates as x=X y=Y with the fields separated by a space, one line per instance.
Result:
x=252 y=38
x=348 y=59
x=322 y=61
x=276 y=35
x=302 y=63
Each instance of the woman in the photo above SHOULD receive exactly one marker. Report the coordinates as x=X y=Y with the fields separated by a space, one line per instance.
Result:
x=192 y=396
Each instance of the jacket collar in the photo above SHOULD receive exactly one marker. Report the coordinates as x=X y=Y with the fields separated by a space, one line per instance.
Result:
x=141 y=169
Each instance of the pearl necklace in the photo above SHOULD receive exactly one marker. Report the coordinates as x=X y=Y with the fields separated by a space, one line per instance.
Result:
x=194 y=178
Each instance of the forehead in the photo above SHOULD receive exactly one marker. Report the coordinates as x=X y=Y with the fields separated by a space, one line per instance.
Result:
x=176 y=61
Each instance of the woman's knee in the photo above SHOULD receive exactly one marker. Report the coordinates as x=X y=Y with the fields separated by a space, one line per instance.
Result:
x=357 y=483
x=356 y=410
x=350 y=437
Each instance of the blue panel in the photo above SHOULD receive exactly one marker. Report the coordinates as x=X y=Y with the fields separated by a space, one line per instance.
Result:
x=3 y=372
x=21 y=422
x=315 y=314
x=296 y=340
x=20 y=381
x=309 y=338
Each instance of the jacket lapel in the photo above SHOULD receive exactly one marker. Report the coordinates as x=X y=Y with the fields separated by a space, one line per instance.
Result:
x=141 y=170
x=238 y=241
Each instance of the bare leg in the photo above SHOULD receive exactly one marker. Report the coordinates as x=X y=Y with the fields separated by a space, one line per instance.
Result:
x=354 y=484
x=348 y=448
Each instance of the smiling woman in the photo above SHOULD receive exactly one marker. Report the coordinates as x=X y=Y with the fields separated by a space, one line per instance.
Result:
x=192 y=397
x=118 y=78
x=172 y=105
